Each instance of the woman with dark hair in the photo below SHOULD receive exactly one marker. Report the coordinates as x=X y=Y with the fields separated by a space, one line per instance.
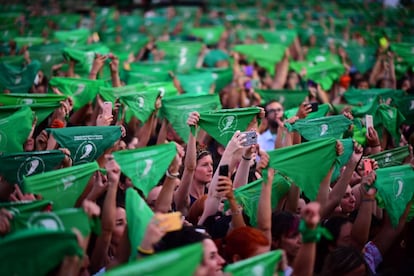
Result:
x=345 y=261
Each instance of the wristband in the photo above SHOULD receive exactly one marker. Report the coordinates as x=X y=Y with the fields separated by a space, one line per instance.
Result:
x=246 y=158
x=171 y=175
x=313 y=235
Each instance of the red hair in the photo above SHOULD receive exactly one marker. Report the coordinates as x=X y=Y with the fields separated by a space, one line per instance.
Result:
x=243 y=241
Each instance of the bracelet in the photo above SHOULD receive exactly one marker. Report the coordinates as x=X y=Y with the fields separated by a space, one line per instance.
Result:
x=172 y=175
x=144 y=251
x=245 y=158
x=313 y=235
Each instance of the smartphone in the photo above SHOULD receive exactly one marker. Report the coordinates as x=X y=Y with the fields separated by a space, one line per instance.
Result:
x=251 y=138
x=224 y=170
x=369 y=122
x=314 y=106
x=107 y=108
x=367 y=166
x=170 y=221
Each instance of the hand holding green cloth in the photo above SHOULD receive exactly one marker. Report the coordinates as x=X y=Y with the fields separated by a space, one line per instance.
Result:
x=138 y=101
x=222 y=124
x=209 y=35
x=330 y=126
x=36 y=251
x=81 y=90
x=264 y=264
x=15 y=166
x=177 y=108
x=248 y=196
x=405 y=104
x=42 y=111
x=15 y=129
x=221 y=76
x=214 y=56
x=138 y=215
x=147 y=72
x=62 y=220
x=266 y=55
x=367 y=96
x=179 y=261
x=392 y=157
x=146 y=166
x=305 y=164
x=28 y=99
x=63 y=186
x=84 y=56
x=197 y=82
x=48 y=55
x=323 y=73
x=86 y=143
x=363 y=58
x=288 y=98
x=343 y=159
x=323 y=109
x=18 y=79
x=390 y=118
x=17 y=207
x=394 y=190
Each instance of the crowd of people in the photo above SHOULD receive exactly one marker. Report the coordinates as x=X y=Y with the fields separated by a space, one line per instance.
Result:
x=236 y=138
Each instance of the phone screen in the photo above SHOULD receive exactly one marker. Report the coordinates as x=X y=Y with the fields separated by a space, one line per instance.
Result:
x=369 y=121
x=170 y=221
x=107 y=109
x=224 y=170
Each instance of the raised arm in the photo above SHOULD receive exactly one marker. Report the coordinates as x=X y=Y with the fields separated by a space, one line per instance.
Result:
x=99 y=256
x=264 y=208
x=114 y=66
x=338 y=191
x=165 y=197
x=242 y=173
x=181 y=196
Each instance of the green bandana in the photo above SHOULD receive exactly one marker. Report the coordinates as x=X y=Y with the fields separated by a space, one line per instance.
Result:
x=84 y=57
x=42 y=111
x=392 y=157
x=395 y=190
x=391 y=118
x=222 y=124
x=64 y=219
x=222 y=76
x=139 y=101
x=196 y=83
x=263 y=264
x=147 y=72
x=146 y=166
x=366 y=97
x=15 y=166
x=311 y=129
x=86 y=143
x=18 y=79
x=214 y=56
x=177 y=108
x=406 y=106
x=302 y=158
x=82 y=91
x=63 y=186
x=17 y=207
x=288 y=98
x=73 y=38
x=138 y=215
x=209 y=35
x=179 y=261
x=15 y=129
x=49 y=55
x=248 y=196
x=363 y=58
x=323 y=73
x=18 y=251
x=28 y=41
x=266 y=55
